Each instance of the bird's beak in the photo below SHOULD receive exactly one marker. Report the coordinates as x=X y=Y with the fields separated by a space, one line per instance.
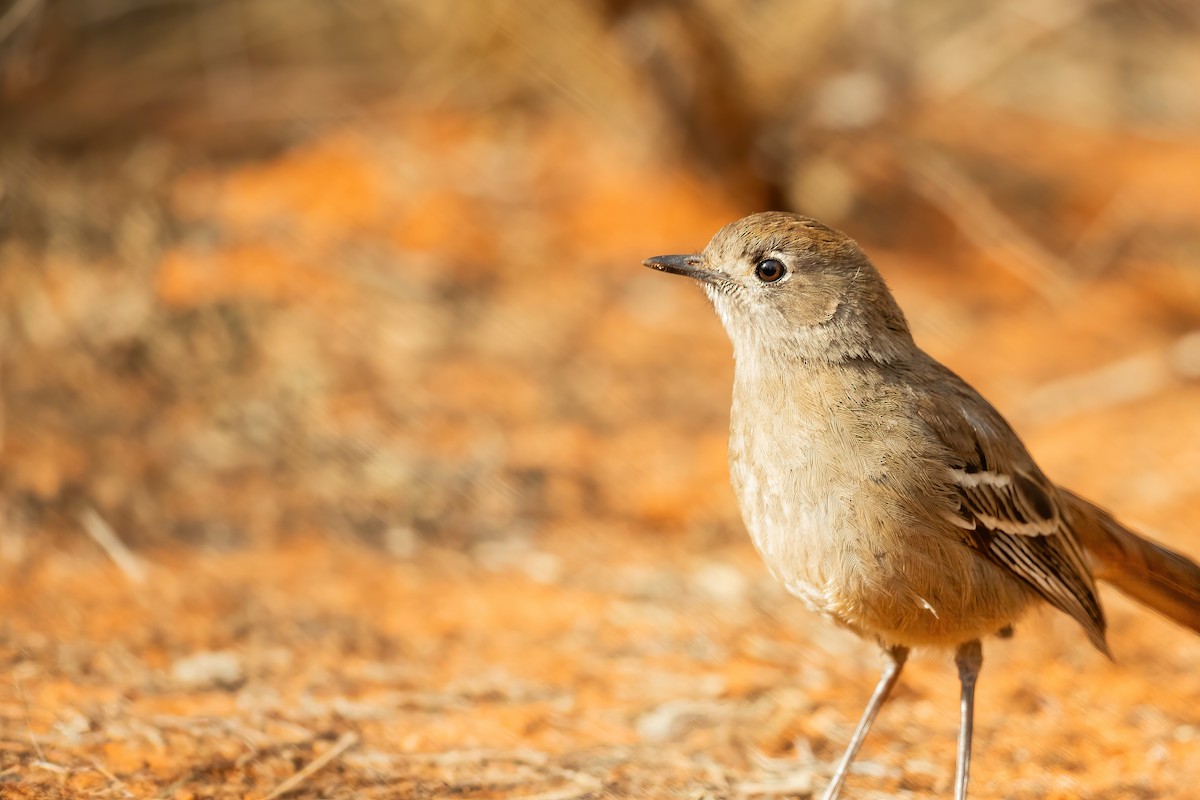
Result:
x=681 y=265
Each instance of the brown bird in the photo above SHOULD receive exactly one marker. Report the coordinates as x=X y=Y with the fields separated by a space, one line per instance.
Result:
x=879 y=487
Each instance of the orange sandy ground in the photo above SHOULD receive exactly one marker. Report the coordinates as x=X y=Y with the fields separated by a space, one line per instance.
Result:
x=630 y=666
x=640 y=653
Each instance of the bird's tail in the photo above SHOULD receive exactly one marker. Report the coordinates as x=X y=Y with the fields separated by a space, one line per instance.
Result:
x=1144 y=570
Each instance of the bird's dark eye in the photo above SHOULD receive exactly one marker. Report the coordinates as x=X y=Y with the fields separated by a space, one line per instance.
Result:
x=769 y=270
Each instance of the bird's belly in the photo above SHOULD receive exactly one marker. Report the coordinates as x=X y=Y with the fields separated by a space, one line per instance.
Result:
x=792 y=520
x=829 y=539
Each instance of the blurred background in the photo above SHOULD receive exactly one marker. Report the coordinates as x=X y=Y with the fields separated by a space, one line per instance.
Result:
x=328 y=368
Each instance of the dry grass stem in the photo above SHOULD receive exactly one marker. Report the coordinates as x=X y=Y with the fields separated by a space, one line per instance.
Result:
x=801 y=783
x=112 y=779
x=582 y=786
x=989 y=228
x=15 y=16
x=347 y=740
x=102 y=533
x=1099 y=245
x=1117 y=382
x=998 y=37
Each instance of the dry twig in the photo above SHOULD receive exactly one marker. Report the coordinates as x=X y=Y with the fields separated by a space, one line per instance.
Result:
x=1109 y=230
x=122 y=556
x=113 y=779
x=800 y=783
x=581 y=786
x=957 y=196
x=346 y=741
x=996 y=38
x=15 y=16
x=1121 y=381
x=534 y=758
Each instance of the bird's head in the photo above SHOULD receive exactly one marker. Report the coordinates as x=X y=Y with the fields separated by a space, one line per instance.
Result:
x=787 y=284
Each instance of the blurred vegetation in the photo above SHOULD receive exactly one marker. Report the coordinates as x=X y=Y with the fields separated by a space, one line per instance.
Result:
x=249 y=249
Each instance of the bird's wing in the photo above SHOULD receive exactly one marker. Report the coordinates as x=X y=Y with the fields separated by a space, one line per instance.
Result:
x=1007 y=509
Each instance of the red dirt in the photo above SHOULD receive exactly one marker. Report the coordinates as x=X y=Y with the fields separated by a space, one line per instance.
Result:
x=557 y=600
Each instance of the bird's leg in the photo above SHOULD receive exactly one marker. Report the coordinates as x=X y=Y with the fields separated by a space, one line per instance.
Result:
x=969 y=658
x=895 y=657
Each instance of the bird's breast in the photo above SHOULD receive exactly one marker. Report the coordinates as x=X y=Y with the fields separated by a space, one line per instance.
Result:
x=799 y=477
